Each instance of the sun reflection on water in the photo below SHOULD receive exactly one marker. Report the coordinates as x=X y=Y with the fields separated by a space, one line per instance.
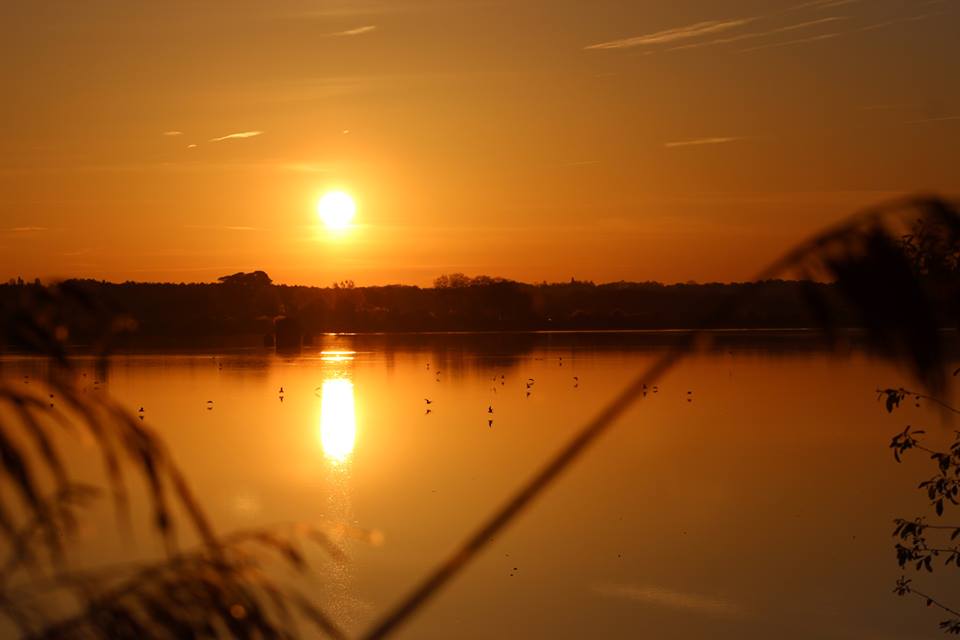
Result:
x=338 y=420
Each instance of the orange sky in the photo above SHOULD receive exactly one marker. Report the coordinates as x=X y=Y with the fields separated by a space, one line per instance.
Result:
x=602 y=140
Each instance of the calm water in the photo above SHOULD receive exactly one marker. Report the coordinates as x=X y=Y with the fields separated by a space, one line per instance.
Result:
x=761 y=508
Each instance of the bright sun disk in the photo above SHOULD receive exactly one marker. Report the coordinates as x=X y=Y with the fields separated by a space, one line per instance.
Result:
x=336 y=209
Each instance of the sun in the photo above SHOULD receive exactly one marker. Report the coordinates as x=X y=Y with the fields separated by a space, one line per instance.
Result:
x=336 y=209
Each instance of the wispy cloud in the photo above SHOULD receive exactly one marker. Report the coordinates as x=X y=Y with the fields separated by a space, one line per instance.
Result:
x=348 y=8
x=237 y=136
x=700 y=141
x=761 y=34
x=887 y=23
x=359 y=31
x=672 y=599
x=672 y=35
x=789 y=43
x=820 y=4
x=704 y=34
x=173 y=133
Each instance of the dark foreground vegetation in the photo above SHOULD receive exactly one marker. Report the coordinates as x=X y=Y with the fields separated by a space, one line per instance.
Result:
x=894 y=271
x=244 y=309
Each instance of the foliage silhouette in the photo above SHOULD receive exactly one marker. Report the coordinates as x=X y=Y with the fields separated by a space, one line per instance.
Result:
x=914 y=546
x=866 y=255
x=219 y=588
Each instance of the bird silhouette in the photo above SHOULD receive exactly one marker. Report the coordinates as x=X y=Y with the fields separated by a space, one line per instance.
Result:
x=281 y=389
x=490 y=409
x=141 y=410
x=489 y=423
x=428 y=411
x=428 y=400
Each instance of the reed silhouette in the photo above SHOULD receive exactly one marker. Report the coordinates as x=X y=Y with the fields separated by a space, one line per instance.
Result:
x=889 y=272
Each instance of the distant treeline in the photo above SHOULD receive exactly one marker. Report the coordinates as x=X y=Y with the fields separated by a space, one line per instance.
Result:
x=244 y=308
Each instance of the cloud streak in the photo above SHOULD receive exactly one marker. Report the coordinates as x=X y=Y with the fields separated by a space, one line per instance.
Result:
x=761 y=34
x=672 y=35
x=820 y=4
x=790 y=43
x=359 y=31
x=700 y=141
x=664 y=597
x=237 y=136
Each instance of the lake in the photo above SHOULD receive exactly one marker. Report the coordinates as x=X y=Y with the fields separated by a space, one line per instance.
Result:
x=750 y=496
